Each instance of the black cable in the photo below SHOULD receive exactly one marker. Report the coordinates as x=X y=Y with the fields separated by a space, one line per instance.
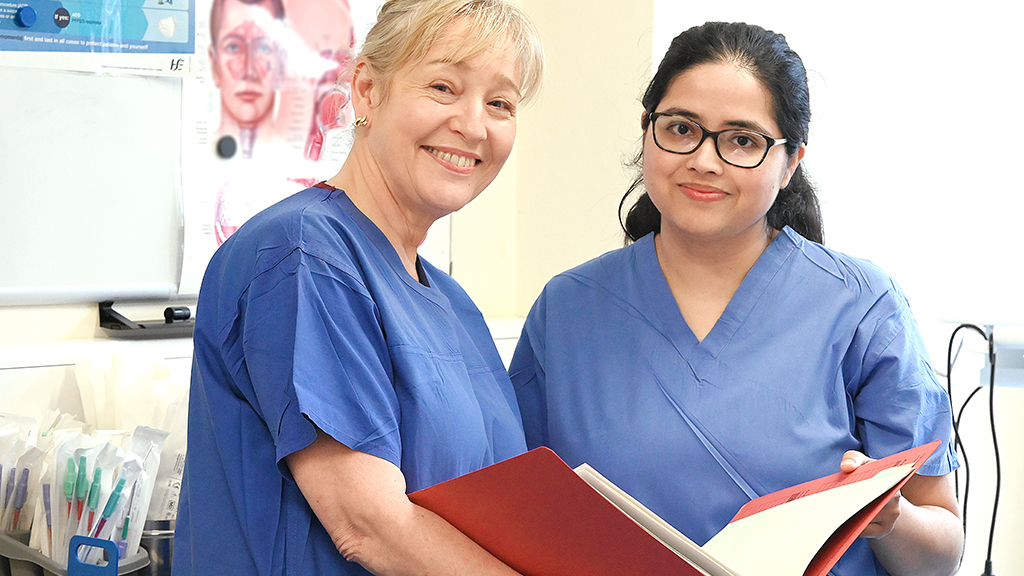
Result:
x=963 y=452
x=990 y=339
x=957 y=442
x=995 y=446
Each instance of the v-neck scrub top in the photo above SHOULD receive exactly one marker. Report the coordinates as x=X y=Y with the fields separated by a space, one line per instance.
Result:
x=307 y=317
x=817 y=353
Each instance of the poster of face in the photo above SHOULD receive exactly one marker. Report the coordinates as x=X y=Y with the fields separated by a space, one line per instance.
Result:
x=266 y=114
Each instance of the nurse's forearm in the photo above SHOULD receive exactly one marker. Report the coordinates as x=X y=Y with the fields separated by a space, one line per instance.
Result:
x=360 y=500
x=927 y=537
x=421 y=543
x=925 y=541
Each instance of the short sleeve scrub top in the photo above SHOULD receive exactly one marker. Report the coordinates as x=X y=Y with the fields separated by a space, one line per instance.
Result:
x=817 y=353
x=307 y=319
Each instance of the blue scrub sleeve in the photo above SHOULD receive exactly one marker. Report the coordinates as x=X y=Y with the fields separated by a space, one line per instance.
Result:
x=315 y=349
x=900 y=403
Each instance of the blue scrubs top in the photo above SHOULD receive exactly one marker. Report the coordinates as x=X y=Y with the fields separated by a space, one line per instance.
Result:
x=817 y=353
x=307 y=316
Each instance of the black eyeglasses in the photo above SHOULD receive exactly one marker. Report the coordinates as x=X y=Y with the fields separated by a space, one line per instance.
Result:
x=681 y=135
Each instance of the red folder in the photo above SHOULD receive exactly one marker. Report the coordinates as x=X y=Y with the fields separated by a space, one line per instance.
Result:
x=540 y=517
x=535 y=514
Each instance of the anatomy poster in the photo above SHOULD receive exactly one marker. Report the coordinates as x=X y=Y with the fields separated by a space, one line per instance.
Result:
x=267 y=112
x=149 y=37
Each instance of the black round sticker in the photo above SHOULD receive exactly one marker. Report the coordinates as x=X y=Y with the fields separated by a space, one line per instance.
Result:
x=61 y=17
x=226 y=147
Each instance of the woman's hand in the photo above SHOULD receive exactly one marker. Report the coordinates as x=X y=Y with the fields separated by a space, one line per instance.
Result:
x=885 y=520
x=919 y=531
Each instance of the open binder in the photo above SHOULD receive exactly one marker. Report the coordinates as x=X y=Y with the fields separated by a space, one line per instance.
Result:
x=543 y=518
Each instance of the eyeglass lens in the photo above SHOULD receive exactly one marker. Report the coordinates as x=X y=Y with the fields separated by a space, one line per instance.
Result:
x=738 y=147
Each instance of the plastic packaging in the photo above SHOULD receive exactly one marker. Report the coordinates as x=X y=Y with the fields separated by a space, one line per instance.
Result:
x=25 y=561
x=20 y=491
x=147 y=444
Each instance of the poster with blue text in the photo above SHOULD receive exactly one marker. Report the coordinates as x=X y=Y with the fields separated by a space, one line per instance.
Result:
x=148 y=37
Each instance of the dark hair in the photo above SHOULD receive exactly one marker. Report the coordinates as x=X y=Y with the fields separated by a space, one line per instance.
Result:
x=274 y=7
x=769 y=58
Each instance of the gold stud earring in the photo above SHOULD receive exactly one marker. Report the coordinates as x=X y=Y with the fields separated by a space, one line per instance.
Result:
x=361 y=121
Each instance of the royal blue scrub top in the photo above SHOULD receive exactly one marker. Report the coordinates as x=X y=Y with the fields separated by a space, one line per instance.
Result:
x=817 y=353
x=307 y=316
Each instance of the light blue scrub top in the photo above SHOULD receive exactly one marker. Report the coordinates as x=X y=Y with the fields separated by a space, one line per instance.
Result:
x=306 y=315
x=817 y=353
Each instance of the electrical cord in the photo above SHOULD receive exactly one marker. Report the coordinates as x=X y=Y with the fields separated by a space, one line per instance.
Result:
x=958 y=442
x=995 y=442
x=963 y=452
x=995 y=447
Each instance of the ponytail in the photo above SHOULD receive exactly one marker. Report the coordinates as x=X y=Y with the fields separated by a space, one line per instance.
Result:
x=643 y=217
x=797 y=206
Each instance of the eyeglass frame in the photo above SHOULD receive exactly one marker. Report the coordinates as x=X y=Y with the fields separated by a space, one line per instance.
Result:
x=705 y=134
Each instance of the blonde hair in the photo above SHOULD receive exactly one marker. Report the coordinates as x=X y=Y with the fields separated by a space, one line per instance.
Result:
x=405 y=30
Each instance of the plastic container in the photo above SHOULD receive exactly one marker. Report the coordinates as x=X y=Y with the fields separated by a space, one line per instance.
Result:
x=20 y=560
x=158 y=538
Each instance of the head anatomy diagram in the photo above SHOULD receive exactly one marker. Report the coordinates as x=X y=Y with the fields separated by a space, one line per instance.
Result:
x=245 y=60
x=768 y=57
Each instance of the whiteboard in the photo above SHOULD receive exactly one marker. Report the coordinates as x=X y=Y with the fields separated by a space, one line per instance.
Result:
x=89 y=187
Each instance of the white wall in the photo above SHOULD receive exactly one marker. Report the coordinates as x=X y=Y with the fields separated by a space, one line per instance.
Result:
x=555 y=203
x=574 y=140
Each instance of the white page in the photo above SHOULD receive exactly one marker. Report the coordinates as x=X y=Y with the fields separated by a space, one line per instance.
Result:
x=782 y=541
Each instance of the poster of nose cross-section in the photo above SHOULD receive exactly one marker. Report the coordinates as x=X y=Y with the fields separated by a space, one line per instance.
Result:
x=267 y=113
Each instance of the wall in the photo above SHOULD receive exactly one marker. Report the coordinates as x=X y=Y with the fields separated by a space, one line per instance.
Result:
x=574 y=141
x=555 y=203
x=26 y=324
x=484 y=242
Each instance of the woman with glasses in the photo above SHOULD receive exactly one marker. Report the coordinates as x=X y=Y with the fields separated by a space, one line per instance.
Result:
x=725 y=353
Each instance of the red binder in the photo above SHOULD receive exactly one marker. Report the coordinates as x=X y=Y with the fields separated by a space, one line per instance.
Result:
x=540 y=517
x=536 y=515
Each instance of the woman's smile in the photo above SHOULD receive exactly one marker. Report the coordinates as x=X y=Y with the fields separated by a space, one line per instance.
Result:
x=461 y=162
x=702 y=193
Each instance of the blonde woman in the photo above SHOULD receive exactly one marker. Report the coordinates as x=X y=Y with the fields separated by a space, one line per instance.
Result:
x=335 y=371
